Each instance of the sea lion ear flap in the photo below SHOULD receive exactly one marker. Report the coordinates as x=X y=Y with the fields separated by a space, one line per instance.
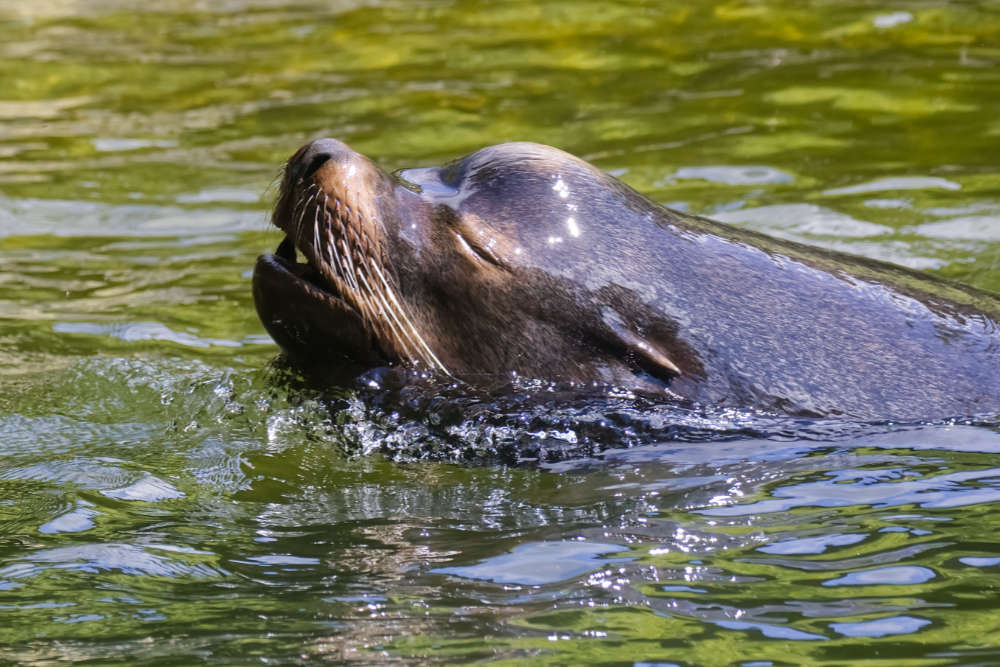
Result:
x=647 y=355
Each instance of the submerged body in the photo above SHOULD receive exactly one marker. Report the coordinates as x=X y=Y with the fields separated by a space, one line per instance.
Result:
x=522 y=258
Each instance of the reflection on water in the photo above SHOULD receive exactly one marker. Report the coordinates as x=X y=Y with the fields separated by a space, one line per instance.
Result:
x=539 y=563
x=166 y=494
x=186 y=492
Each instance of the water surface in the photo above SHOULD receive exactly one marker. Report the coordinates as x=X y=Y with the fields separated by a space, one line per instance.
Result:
x=169 y=497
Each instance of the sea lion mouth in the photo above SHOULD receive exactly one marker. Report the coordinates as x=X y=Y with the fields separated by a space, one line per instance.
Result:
x=286 y=256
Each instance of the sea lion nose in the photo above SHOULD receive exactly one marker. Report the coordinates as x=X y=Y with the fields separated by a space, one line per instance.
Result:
x=314 y=155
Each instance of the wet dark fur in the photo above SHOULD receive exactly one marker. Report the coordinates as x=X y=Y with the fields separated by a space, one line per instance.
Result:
x=523 y=258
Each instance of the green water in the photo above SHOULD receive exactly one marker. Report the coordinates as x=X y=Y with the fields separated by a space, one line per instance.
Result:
x=166 y=497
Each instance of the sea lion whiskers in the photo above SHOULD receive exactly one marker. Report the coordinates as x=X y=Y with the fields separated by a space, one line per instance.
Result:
x=342 y=264
x=378 y=302
x=397 y=316
x=388 y=321
x=299 y=201
x=316 y=245
x=345 y=262
x=388 y=318
x=297 y=232
x=331 y=247
x=309 y=200
x=341 y=276
x=435 y=362
x=350 y=263
x=375 y=306
x=302 y=202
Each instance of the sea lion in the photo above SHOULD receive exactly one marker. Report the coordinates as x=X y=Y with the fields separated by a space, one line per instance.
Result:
x=521 y=258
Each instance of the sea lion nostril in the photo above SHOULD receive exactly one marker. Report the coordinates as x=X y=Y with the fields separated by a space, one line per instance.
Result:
x=314 y=155
x=313 y=165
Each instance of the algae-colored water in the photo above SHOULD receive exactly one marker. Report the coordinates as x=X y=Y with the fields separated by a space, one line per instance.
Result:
x=166 y=497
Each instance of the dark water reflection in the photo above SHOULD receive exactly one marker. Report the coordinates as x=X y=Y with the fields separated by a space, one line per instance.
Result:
x=166 y=496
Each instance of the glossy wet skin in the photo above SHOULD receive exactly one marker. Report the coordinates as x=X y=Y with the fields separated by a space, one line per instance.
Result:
x=523 y=258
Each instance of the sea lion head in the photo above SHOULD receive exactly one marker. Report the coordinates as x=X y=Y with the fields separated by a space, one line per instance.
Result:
x=342 y=304
x=482 y=267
